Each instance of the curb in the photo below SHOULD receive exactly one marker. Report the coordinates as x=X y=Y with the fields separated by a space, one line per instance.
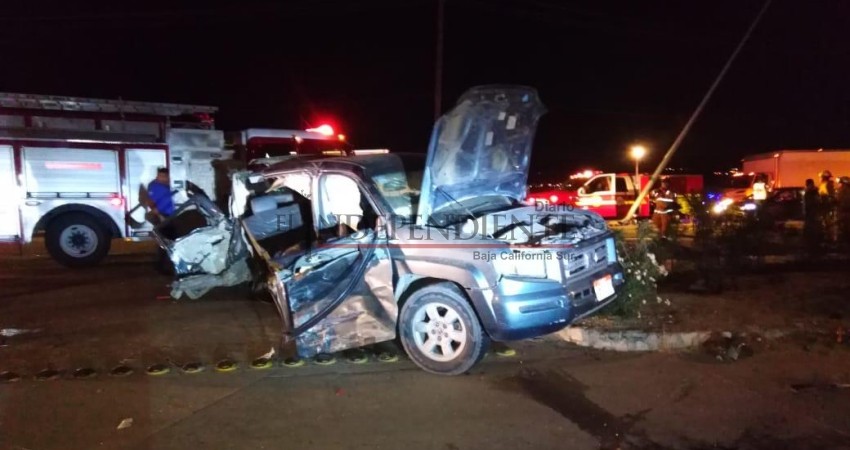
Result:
x=644 y=341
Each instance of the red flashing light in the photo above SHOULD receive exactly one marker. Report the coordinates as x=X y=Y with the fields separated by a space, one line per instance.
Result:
x=553 y=198
x=341 y=137
x=325 y=130
x=532 y=200
x=116 y=201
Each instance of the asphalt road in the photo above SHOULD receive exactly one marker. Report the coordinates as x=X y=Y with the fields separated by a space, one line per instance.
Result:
x=549 y=395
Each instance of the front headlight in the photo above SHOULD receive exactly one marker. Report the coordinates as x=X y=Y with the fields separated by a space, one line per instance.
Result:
x=721 y=206
x=523 y=263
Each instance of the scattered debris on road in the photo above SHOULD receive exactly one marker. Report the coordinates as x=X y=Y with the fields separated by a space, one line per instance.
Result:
x=125 y=423
x=11 y=332
x=802 y=387
x=728 y=347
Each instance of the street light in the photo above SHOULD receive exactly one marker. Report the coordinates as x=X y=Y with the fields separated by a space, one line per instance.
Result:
x=638 y=152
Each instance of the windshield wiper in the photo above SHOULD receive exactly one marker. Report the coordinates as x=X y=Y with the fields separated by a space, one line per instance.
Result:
x=464 y=208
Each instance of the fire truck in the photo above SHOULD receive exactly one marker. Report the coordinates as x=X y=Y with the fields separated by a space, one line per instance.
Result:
x=611 y=195
x=73 y=168
x=256 y=148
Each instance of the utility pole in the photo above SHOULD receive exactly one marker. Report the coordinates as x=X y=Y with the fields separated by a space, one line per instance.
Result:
x=645 y=191
x=438 y=64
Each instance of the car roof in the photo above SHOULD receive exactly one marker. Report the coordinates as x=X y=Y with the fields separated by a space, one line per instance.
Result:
x=367 y=163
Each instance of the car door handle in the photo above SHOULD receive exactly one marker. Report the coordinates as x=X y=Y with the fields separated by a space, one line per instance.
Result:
x=32 y=202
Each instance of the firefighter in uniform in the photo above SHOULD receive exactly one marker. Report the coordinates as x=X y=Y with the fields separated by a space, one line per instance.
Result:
x=812 y=217
x=826 y=190
x=760 y=189
x=842 y=197
x=664 y=200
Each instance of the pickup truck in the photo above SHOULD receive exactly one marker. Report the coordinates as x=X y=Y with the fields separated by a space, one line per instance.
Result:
x=612 y=194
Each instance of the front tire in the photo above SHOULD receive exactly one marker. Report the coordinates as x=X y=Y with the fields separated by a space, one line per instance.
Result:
x=77 y=240
x=440 y=331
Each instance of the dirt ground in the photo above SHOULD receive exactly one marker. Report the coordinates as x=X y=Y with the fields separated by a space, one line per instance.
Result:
x=781 y=298
x=791 y=393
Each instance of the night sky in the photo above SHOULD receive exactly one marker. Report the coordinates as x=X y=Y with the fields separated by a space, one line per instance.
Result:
x=610 y=72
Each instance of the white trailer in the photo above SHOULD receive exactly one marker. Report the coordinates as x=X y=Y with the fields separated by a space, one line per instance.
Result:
x=791 y=168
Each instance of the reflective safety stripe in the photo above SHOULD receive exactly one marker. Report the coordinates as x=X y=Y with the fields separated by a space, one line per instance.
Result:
x=595 y=201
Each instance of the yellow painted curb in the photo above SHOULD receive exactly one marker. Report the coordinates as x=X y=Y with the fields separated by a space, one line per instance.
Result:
x=226 y=365
x=387 y=357
x=324 y=360
x=158 y=369
x=192 y=367
x=261 y=363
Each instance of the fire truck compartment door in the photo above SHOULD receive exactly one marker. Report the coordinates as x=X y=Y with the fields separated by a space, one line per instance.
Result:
x=141 y=164
x=57 y=176
x=55 y=171
x=10 y=223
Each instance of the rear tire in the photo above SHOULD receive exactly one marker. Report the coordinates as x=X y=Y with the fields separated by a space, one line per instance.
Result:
x=440 y=331
x=77 y=240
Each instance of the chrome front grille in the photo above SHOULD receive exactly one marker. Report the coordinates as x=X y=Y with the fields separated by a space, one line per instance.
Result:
x=585 y=259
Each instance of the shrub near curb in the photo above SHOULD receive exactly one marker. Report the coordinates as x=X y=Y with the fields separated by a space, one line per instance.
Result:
x=642 y=272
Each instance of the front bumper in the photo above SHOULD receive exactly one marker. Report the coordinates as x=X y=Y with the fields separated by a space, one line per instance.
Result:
x=525 y=308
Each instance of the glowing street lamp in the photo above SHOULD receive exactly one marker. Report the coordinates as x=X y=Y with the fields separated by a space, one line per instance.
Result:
x=637 y=152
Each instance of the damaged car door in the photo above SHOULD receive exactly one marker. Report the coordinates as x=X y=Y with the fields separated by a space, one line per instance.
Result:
x=332 y=278
x=206 y=247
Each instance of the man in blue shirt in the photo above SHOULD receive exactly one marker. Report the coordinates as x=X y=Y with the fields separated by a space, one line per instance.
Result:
x=159 y=195
x=161 y=208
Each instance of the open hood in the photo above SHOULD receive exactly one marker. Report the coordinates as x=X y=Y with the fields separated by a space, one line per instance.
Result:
x=479 y=153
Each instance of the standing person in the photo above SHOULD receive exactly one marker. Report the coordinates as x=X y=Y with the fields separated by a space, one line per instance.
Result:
x=812 y=217
x=842 y=200
x=759 y=192
x=760 y=188
x=664 y=199
x=160 y=202
x=826 y=190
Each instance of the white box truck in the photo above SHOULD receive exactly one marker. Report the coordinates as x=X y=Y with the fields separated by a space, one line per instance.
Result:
x=791 y=168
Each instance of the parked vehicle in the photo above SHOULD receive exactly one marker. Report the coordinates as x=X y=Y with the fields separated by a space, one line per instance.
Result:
x=611 y=195
x=782 y=205
x=791 y=168
x=73 y=168
x=561 y=194
x=781 y=169
x=441 y=251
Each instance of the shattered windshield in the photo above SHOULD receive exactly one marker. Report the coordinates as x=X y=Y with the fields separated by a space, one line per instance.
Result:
x=399 y=182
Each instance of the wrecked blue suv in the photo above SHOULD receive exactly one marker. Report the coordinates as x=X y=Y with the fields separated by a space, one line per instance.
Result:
x=439 y=251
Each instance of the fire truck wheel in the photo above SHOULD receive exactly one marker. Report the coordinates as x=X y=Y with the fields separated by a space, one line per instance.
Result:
x=77 y=240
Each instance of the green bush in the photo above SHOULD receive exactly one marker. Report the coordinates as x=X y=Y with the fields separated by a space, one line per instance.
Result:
x=642 y=269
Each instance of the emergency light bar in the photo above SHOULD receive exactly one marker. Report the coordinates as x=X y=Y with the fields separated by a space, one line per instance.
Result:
x=325 y=130
x=584 y=174
x=372 y=151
